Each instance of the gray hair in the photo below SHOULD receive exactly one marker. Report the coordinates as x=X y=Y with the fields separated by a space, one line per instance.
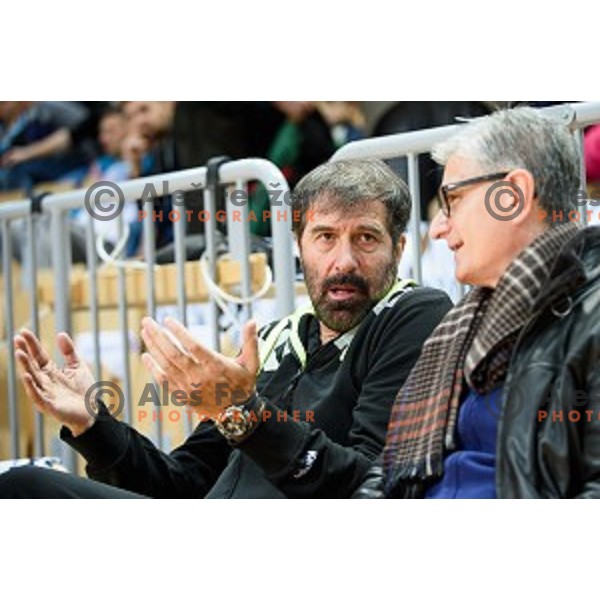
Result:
x=347 y=184
x=522 y=138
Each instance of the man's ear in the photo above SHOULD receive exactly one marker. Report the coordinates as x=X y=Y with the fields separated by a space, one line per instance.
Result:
x=297 y=250
x=523 y=198
x=400 y=245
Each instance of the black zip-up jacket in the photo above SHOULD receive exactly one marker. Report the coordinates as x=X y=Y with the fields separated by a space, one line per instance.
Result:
x=343 y=395
x=548 y=443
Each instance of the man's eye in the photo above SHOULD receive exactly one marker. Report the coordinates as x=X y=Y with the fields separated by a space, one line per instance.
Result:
x=367 y=238
x=325 y=236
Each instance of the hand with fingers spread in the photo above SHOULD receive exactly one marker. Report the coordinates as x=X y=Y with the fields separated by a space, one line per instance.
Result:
x=175 y=357
x=55 y=391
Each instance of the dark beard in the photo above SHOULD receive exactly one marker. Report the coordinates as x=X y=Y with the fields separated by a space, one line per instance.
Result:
x=343 y=315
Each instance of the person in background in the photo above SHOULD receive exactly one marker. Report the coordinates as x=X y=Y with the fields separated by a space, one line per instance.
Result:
x=592 y=153
x=37 y=142
x=109 y=166
x=112 y=130
x=148 y=149
x=149 y=146
x=345 y=119
x=301 y=141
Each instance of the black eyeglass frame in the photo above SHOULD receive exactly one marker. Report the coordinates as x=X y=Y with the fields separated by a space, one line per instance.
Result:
x=450 y=187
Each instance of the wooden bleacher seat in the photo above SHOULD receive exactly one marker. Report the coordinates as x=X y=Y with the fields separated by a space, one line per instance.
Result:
x=12 y=195
x=54 y=187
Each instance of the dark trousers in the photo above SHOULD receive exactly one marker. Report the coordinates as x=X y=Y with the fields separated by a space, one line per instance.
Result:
x=39 y=170
x=37 y=482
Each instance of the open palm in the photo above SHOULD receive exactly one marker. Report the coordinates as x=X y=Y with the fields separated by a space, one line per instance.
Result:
x=59 y=392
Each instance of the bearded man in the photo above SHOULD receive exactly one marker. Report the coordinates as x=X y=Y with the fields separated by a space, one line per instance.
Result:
x=313 y=390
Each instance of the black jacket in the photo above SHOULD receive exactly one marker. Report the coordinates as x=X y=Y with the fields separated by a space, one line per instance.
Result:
x=348 y=384
x=556 y=367
x=548 y=442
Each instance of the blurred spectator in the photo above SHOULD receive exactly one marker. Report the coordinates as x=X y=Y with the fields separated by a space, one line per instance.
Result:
x=301 y=142
x=148 y=149
x=36 y=142
x=112 y=130
x=168 y=136
x=592 y=153
x=203 y=130
x=149 y=146
x=110 y=166
x=346 y=120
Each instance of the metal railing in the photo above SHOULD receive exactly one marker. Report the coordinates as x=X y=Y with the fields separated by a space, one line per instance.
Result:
x=410 y=145
x=57 y=206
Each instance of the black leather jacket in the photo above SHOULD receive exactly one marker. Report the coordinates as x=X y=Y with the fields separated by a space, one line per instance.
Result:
x=549 y=432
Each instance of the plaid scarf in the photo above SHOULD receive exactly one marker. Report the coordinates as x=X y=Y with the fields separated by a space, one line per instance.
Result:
x=472 y=345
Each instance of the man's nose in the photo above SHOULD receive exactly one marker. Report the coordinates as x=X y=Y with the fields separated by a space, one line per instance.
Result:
x=439 y=227
x=345 y=259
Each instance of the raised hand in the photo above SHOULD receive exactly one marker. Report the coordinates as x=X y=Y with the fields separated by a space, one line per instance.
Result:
x=188 y=366
x=55 y=391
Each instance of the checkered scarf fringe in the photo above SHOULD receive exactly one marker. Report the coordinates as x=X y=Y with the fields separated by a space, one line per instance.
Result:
x=472 y=346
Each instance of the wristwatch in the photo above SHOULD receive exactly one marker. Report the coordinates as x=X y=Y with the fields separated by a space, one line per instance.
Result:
x=238 y=421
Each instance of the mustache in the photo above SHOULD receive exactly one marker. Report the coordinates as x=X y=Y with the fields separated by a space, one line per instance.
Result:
x=348 y=279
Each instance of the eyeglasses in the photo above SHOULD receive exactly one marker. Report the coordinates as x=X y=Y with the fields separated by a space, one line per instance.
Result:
x=450 y=187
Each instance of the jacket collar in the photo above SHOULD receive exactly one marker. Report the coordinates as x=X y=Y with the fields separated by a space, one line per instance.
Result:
x=577 y=263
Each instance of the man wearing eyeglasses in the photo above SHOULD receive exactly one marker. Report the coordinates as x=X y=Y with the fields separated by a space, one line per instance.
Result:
x=504 y=400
